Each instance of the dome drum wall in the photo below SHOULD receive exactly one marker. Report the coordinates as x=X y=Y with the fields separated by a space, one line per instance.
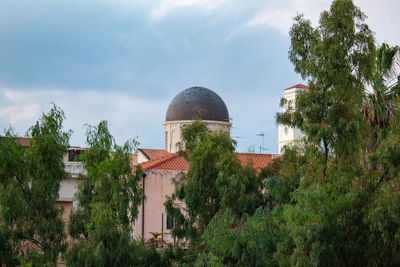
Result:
x=173 y=131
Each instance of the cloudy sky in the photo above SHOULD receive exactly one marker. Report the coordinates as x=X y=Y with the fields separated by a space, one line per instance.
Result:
x=124 y=60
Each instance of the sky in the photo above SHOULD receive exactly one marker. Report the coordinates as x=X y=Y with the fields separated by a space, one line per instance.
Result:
x=123 y=61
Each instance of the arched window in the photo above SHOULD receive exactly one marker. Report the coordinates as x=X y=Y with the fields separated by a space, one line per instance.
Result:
x=166 y=141
x=171 y=143
x=290 y=104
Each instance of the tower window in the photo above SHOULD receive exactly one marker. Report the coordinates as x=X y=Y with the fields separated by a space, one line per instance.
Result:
x=286 y=130
x=166 y=141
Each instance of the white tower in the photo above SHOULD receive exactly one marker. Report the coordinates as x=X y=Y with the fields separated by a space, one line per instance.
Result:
x=286 y=134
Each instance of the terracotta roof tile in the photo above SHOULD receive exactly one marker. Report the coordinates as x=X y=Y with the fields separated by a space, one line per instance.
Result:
x=175 y=162
x=23 y=141
x=258 y=161
x=153 y=153
x=167 y=162
x=302 y=86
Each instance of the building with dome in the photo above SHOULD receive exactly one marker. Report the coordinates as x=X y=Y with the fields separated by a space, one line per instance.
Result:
x=161 y=166
x=191 y=104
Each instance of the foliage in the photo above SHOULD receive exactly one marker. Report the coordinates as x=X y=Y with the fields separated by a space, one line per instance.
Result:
x=215 y=181
x=336 y=216
x=249 y=243
x=31 y=225
x=380 y=106
x=338 y=58
x=332 y=199
x=109 y=196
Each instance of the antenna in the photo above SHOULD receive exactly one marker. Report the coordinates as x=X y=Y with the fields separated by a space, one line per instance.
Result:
x=231 y=121
x=261 y=134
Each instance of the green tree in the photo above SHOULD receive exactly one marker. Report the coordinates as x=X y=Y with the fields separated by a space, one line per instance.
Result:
x=30 y=221
x=380 y=193
x=380 y=105
x=253 y=239
x=109 y=196
x=324 y=220
x=337 y=58
x=215 y=182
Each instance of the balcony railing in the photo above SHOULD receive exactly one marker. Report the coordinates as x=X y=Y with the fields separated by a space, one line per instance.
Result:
x=74 y=169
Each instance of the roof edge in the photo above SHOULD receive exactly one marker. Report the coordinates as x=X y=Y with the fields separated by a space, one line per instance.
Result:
x=144 y=153
x=299 y=85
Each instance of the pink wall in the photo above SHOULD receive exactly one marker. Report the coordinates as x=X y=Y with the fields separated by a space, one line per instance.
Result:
x=158 y=185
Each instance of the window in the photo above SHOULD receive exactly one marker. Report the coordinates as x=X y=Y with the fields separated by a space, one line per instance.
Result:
x=73 y=155
x=290 y=104
x=166 y=141
x=172 y=141
x=170 y=222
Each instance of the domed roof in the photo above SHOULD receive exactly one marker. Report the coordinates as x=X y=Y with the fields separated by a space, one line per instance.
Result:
x=197 y=103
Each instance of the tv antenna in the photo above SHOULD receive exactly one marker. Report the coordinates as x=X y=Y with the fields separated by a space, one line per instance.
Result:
x=261 y=134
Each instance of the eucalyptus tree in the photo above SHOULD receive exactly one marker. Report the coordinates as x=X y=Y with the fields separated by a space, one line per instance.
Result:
x=324 y=223
x=337 y=58
x=31 y=226
x=215 y=182
x=108 y=196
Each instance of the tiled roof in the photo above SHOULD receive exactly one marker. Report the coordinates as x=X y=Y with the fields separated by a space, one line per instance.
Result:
x=167 y=162
x=302 y=86
x=175 y=162
x=23 y=141
x=153 y=153
x=258 y=160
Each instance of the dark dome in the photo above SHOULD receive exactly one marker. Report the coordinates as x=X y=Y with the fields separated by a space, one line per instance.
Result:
x=197 y=103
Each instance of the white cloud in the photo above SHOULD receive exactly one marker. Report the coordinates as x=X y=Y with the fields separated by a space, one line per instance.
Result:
x=381 y=15
x=127 y=115
x=165 y=6
x=382 y=19
x=14 y=112
x=281 y=17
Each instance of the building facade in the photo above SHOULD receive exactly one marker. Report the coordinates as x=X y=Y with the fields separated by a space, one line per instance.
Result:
x=160 y=169
x=287 y=135
x=162 y=166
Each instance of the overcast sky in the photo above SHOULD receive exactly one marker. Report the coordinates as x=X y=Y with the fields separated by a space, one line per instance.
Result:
x=124 y=60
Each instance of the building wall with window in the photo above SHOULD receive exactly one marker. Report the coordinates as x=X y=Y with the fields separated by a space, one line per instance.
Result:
x=173 y=131
x=287 y=135
x=152 y=214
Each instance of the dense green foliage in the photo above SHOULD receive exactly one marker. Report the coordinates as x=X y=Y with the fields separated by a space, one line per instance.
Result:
x=109 y=196
x=31 y=227
x=332 y=199
x=216 y=182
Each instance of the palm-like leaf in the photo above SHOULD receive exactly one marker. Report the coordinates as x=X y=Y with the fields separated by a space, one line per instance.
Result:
x=379 y=107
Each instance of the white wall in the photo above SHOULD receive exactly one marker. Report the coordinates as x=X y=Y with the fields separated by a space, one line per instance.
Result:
x=287 y=135
x=173 y=131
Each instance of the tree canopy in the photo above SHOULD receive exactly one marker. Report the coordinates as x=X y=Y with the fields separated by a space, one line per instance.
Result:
x=31 y=226
x=216 y=181
x=331 y=199
x=109 y=196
